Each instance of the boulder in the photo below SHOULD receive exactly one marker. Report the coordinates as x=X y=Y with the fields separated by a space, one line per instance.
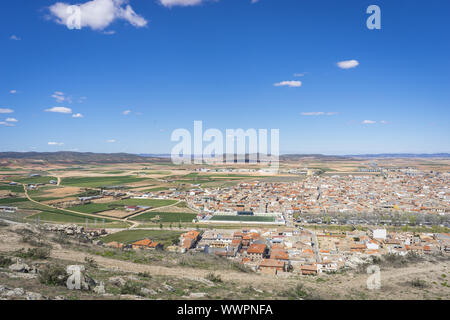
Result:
x=33 y=296
x=97 y=242
x=19 y=267
x=168 y=288
x=146 y=291
x=117 y=281
x=197 y=295
x=100 y=289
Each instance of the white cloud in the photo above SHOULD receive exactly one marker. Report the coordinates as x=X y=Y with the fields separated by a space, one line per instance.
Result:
x=126 y=112
x=111 y=141
x=6 y=110
x=384 y=122
x=58 y=96
x=98 y=14
x=12 y=120
x=59 y=110
x=368 y=122
x=14 y=37
x=292 y=84
x=77 y=115
x=348 y=64
x=299 y=75
x=55 y=143
x=13 y=91
x=319 y=113
x=6 y=124
x=181 y=3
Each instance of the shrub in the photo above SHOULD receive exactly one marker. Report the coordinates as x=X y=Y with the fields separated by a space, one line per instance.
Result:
x=131 y=287
x=213 y=278
x=418 y=283
x=241 y=267
x=90 y=262
x=53 y=275
x=34 y=253
x=144 y=275
x=299 y=293
x=5 y=262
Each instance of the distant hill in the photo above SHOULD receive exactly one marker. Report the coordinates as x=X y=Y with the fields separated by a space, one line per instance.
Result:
x=402 y=155
x=90 y=157
x=364 y=156
x=74 y=157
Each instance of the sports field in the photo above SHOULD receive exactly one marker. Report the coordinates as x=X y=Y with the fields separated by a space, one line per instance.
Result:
x=243 y=218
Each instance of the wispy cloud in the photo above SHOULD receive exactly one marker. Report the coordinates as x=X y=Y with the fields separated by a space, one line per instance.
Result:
x=13 y=91
x=348 y=64
x=15 y=38
x=319 y=113
x=82 y=99
x=56 y=143
x=59 y=96
x=111 y=141
x=368 y=122
x=292 y=84
x=97 y=14
x=181 y=3
x=126 y=112
x=6 y=110
x=77 y=115
x=59 y=110
x=384 y=122
x=11 y=120
x=6 y=124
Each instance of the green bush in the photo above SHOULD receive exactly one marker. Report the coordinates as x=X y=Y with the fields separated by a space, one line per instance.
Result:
x=34 y=253
x=418 y=283
x=299 y=293
x=53 y=275
x=213 y=278
x=5 y=262
x=131 y=287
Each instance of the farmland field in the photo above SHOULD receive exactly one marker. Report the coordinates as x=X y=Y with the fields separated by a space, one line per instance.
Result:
x=35 y=180
x=96 y=182
x=10 y=201
x=166 y=217
x=16 y=189
x=243 y=218
x=164 y=236
x=100 y=207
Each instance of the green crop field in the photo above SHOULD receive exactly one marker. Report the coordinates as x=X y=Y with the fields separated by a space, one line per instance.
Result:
x=166 y=216
x=11 y=201
x=35 y=180
x=157 y=189
x=243 y=218
x=16 y=189
x=100 y=207
x=130 y=236
x=96 y=182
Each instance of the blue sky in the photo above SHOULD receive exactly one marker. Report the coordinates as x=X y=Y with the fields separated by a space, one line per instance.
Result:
x=219 y=62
